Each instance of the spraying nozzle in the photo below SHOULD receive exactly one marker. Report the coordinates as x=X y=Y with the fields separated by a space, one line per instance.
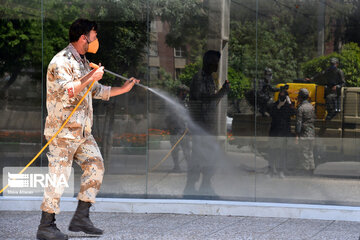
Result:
x=95 y=66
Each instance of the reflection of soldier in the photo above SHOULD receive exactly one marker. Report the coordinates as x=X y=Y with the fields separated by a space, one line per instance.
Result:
x=68 y=78
x=203 y=101
x=265 y=93
x=177 y=127
x=305 y=130
x=335 y=80
x=280 y=129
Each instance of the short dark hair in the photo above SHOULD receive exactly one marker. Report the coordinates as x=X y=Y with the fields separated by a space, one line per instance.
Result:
x=211 y=57
x=81 y=27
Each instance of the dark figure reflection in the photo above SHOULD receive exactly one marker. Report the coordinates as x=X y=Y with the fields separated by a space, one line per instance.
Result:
x=203 y=102
x=280 y=130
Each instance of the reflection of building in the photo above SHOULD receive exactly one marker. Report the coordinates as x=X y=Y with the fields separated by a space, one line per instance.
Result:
x=172 y=60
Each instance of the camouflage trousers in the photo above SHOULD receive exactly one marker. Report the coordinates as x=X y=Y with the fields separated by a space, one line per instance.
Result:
x=61 y=154
x=307 y=155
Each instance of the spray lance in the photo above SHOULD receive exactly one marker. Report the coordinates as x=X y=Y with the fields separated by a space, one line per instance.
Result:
x=95 y=66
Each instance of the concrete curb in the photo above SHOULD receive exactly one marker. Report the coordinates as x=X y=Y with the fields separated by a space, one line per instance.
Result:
x=197 y=207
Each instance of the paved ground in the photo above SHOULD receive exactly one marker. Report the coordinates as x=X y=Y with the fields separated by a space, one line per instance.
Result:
x=23 y=225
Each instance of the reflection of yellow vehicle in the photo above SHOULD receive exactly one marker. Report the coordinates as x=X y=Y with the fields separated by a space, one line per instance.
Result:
x=337 y=136
x=316 y=96
x=345 y=124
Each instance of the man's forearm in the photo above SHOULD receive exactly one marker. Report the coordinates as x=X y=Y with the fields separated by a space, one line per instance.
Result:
x=81 y=83
x=118 y=91
x=128 y=85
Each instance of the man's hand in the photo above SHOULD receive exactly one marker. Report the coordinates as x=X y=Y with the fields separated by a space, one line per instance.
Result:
x=97 y=74
x=333 y=88
x=129 y=84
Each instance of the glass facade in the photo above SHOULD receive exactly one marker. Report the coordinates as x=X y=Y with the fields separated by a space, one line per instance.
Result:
x=189 y=137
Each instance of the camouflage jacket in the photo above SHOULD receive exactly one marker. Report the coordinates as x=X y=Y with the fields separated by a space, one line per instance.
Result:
x=66 y=67
x=305 y=118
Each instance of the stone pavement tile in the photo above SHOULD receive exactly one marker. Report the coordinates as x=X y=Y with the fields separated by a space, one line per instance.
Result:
x=13 y=224
x=12 y=238
x=297 y=229
x=344 y=226
x=169 y=222
x=336 y=235
x=155 y=227
x=130 y=223
x=281 y=236
x=203 y=226
x=188 y=237
x=236 y=236
x=128 y=219
x=248 y=225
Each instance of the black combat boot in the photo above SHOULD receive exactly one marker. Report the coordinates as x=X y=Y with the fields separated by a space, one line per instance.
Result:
x=81 y=220
x=47 y=229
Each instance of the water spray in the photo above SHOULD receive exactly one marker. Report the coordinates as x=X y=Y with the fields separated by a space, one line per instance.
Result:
x=167 y=98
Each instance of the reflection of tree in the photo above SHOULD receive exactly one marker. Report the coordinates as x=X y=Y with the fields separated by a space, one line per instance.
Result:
x=188 y=20
x=20 y=47
x=276 y=49
x=165 y=82
x=352 y=33
x=297 y=21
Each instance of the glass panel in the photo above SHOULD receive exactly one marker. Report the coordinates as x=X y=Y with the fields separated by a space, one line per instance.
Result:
x=241 y=148
x=306 y=45
x=20 y=82
x=192 y=153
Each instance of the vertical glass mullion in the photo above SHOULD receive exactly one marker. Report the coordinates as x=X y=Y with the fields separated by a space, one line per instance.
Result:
x=42 y=81
x=147 y=93
x=255 y=90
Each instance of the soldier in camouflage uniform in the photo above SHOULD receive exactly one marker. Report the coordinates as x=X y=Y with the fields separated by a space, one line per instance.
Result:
x=335 y=80
x=68 y=78
x=305 y=130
